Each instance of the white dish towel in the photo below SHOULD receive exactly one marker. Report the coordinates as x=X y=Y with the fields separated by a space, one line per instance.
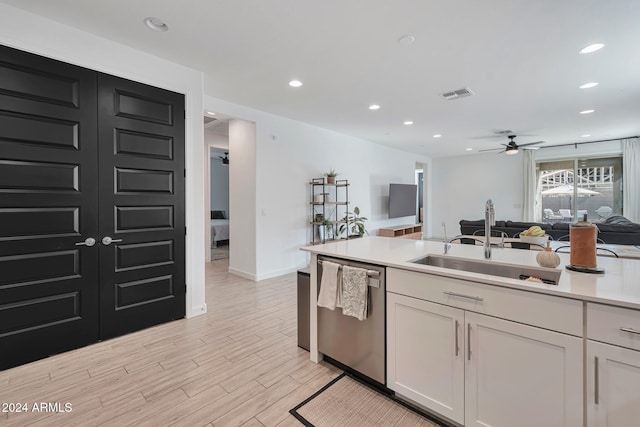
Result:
x=354 y=292
x=330 y=295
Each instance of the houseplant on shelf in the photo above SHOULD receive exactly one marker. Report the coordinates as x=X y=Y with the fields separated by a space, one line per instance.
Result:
x=331 y=176
x=353 y=223
x=326 y=230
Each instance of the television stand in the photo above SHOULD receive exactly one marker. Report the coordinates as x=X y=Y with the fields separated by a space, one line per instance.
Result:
x=410 y=231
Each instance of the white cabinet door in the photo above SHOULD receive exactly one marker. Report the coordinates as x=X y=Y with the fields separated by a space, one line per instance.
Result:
x=518 y=375
x=425 y=351
x=613 y=385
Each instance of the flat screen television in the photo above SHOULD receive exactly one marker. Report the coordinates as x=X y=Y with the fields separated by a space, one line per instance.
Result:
x=403 y=199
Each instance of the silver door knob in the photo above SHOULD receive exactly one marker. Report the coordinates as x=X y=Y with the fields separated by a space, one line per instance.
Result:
x=106 y=240
x=89 y=241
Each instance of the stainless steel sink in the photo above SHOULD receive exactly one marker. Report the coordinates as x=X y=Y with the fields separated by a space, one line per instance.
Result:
x=512 y=271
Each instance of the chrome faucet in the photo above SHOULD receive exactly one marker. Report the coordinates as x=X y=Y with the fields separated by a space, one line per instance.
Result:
x=447 y=243
x=489 y=220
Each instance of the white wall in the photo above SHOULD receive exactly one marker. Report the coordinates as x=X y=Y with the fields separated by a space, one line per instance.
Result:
x=461 y=185
x=288 y=154
x=242 y=198
x=38 y=35
x=600 y=149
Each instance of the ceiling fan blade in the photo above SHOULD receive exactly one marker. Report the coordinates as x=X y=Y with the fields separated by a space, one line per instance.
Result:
x=531 y=143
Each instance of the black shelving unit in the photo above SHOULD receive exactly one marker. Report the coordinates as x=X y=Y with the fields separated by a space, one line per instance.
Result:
x=329 y=205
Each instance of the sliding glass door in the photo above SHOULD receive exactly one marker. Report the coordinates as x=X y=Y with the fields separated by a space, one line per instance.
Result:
x=580 y=189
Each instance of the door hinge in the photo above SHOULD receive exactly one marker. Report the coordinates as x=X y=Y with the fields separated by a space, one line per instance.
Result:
x=185 y=173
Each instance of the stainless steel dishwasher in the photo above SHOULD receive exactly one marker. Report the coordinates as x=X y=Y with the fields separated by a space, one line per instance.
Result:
x=358 y=345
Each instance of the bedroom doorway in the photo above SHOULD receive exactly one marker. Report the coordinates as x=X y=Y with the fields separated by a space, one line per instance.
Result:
x=216 y=137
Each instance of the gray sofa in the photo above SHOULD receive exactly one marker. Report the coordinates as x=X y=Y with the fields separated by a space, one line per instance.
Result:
x=614 y=230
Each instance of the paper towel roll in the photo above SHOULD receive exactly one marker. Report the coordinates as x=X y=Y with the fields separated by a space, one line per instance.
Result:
x=583 y=237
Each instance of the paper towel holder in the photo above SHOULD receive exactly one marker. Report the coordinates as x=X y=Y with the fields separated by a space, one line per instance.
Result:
x=596 y=270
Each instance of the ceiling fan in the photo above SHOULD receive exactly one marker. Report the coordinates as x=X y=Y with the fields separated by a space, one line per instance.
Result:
x=512 y=148
x=225 y=159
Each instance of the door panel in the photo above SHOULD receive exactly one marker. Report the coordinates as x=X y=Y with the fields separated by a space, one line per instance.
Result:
x=613 y=385
x=425 y=354
x=48 y=203
x=519 y=375
x=141 y=135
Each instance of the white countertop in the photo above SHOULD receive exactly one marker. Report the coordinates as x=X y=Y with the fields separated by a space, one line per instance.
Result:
x=619 y=285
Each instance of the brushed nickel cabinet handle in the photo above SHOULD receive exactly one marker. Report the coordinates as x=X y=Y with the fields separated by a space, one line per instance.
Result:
x=457 y=345
x=596 y=380
x=468 y=341
x=453 y=294
x=630 y=330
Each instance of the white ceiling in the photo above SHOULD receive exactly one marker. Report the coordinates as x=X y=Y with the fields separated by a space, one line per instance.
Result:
x=519 y=57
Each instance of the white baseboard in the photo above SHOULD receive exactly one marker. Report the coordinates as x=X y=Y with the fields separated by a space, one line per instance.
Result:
x=241 y=273
x=277 y=273
x=196 y=311
x=269 y=275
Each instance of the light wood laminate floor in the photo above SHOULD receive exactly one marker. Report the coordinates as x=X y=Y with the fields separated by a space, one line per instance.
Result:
x=237 y=365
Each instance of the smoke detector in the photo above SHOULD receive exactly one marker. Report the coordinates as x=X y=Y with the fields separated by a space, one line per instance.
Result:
x=458 y=93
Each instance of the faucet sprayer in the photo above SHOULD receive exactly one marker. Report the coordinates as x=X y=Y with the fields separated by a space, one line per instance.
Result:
x=489 y=220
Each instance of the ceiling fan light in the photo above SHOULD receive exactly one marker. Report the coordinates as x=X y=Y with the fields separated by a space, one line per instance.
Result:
x=511 y=151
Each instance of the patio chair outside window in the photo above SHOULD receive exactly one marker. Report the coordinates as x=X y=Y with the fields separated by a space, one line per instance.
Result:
x=566 y=214
x=549 y=214
x=604 y=211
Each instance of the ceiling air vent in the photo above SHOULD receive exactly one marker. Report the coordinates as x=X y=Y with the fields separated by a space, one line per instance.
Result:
x=455 y=94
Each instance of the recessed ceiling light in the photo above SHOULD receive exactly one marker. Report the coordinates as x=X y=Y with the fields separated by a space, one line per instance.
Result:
x=374 y=107
x=406 y=40
x=587 y=111
x=589 y=85
x=437 y=135
x=592 y=48
x=586 y=135
x=469 y=149
x=295 y=83
x=156 y=24
x=408 y=123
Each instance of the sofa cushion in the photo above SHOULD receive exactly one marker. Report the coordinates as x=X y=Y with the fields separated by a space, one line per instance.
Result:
x=618 y=219
x=619 y=228
x=473 y=223
x=561 y=226
x=480 y=223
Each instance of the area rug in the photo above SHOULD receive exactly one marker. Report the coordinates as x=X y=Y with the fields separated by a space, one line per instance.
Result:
x=346 y=401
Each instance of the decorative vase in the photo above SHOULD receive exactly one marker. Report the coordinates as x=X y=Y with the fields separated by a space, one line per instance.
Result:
x=548 y=258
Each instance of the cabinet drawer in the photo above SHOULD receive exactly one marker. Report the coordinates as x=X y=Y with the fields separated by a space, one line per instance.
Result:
x=545 y=311
x=613 y=325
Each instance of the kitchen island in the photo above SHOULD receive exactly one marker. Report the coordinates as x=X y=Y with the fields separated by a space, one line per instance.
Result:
x=480 y=349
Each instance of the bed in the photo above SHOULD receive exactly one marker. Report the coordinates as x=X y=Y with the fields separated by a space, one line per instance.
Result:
x=219 y=227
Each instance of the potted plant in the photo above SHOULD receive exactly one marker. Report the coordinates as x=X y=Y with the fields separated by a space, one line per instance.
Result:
x=327 y=225
x=353 y=224
x=331 y=176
